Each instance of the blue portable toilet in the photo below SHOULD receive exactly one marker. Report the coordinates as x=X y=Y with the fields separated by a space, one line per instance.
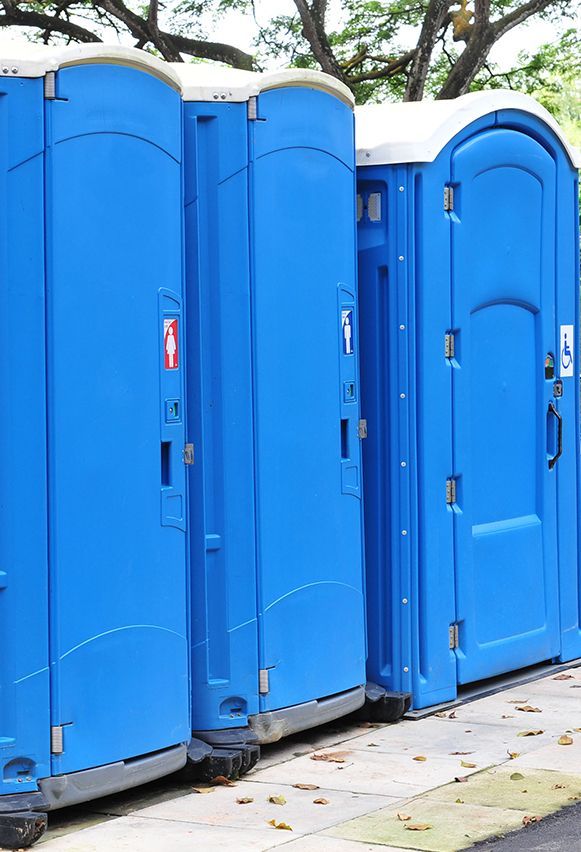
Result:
x=273 y=406
x=94 y=671
x=469 y=309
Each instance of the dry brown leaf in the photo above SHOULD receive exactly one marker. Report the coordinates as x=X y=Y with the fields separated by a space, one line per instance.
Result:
x=517 y=776
x=574 y=798
x=403 y=817
x=529 y=733
x=528 y=820
x=565 y=740
x=420 y=758
x=320 y=801
x=518 y=701
x=283 y=826
x=372 y=745
x=306 y=786
x=513 y=754
x=441 y=715
x=417 y=826
x=459 y=801
x=559 y=787
x=461 y=779
x=564 y=677
x=331 y=757
x=527 y=708
x=467 y=765
x=507 y=717
x=461 y=752
x=277 y=800
x=244 y=800
x=452 y=715
x=222 y=781
x=203 y=789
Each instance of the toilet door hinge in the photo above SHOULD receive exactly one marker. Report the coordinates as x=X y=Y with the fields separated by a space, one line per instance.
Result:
x=263 y=682
x=252 y=109
x=188 y=454
x=448 y=198
x=450 y=491
x=56 y=739
x=449 y=345
x=362 y=429
x=453 y=635
x=50 y=86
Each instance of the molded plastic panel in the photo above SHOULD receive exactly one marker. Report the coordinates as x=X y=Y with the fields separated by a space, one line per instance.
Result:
x=220 y=417
x=118 y=568
x=24 y=671
x=308 y=522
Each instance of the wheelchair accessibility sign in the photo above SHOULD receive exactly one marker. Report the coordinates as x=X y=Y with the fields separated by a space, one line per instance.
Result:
x=566 y=359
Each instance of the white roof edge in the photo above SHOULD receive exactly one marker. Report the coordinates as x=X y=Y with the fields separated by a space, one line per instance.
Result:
x=206 y=82
x=26 y=59
x=387 y=134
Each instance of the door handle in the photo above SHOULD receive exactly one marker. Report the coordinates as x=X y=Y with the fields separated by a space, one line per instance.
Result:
x=553 y=461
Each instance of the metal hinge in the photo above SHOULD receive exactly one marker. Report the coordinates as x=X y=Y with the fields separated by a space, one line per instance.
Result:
x=252 y=109
x=449 y=346
x=448 y=198
x=450 y=491
x=188 y=454
x=263 y=684
x=50 y=86
x=453 y=635
x=56 y=739
x=362 y=429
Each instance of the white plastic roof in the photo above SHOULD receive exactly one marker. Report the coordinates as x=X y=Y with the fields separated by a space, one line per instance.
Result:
x=205 y=82
x=25 y=59
x=416 y=132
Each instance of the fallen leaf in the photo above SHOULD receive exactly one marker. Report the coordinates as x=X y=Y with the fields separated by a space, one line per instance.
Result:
x=277 y=800
x=513 y=754
x=203 y=789
x=368 y=725
x=565 y=740
x=564 y=677
x=320 y=801
x=222 y=781
x=420 y=757
x=441 y=715
x=451 y=716
x=459 y=801
x=244 y=800
x=417 y=826
x=578 y=730
x=331 y=757
x=575 y=686
x=529 y=733
x=574 y=798
x=403 y=817
x=526 y=708
x=372 y=745
x=281 y=825
x=507 y=717
x=517 y=776
x=306 y=786
x=528 y=820
x=461 y=752
x=461 y=779
x=559 y=787
x=467 y=765
x=518 y=701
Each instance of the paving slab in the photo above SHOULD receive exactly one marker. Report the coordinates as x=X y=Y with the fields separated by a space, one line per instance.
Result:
x=128 y=834
x=451 y=827
x=365 y=771
x=534 y=791
x=299 y=810
x=559 y=758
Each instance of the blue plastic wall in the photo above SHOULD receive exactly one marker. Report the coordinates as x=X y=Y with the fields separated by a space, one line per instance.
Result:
x=418 y=277
x=24 y=660
x=273 y=404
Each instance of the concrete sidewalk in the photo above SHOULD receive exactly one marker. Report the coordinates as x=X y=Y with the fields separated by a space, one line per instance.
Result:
x=441 y=783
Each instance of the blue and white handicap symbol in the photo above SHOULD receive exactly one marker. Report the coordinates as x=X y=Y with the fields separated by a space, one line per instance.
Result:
x=566 y=351
x=347 y=326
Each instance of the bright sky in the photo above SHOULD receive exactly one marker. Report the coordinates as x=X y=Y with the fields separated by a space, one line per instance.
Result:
x=239 y=29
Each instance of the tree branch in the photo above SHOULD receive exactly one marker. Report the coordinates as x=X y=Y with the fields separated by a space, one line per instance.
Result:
x=18 y=17
x=390 y=70
x=435 y=16
x=313 y=21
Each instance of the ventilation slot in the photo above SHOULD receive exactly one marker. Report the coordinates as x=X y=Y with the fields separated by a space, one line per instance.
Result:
x=374 y=207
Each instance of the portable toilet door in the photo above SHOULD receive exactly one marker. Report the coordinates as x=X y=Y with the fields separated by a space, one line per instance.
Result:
x=110 y=119
x=470 y=313
x=276 y=487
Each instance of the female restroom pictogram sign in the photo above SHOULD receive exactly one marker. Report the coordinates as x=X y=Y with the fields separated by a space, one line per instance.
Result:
x=170 y=344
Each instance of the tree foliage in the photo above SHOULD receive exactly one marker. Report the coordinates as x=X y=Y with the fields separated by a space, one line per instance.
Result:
x=401 y=49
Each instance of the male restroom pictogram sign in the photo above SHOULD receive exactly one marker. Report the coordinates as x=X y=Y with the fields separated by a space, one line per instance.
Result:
x=170 y=344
